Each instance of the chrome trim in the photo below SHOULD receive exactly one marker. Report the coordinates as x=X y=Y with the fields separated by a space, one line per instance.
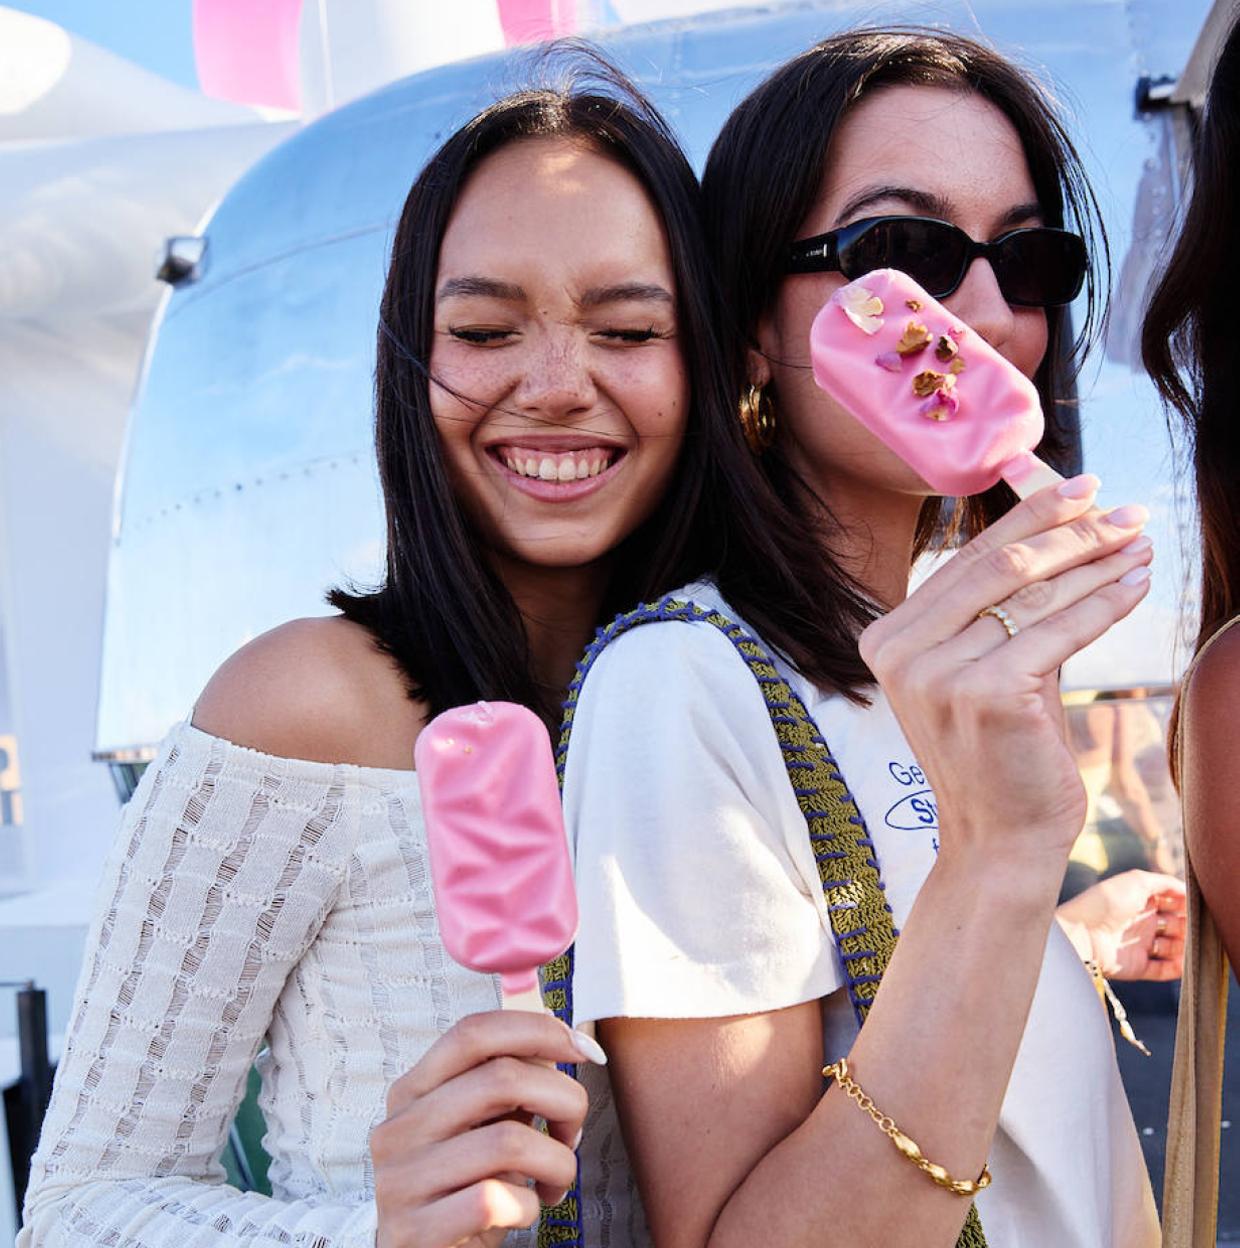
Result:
x=1116 y=693
x=126 y=754
x=1193 y=82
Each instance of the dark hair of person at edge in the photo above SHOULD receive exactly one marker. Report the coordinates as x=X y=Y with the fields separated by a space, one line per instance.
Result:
x=442 y=611
x=761 y=182
x=1188 y=343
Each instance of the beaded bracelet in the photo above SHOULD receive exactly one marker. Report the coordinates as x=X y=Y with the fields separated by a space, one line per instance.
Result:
x=1107 y=996
x=961 y=1187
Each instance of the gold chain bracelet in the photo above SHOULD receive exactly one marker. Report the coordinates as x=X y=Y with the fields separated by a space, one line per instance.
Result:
x=851 y=1088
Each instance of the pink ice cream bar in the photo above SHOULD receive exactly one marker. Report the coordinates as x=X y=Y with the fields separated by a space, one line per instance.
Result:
x=498 y=851
x=931 y=388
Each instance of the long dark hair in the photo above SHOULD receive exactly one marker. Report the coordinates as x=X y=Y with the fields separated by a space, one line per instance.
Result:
x=1188 y=341
x=441 y=611
x=761 y=182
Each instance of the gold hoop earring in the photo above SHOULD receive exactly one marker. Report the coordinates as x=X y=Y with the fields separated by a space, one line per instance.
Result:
x=757 y=414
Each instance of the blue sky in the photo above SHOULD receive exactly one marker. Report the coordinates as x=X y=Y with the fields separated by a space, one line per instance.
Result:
x=156 y=34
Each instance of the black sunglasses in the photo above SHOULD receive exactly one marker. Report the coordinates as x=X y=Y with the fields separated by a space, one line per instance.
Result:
x=1035 y=268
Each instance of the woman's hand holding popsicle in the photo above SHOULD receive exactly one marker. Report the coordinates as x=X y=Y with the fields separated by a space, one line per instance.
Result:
x=981 y=709
x=458 y=1161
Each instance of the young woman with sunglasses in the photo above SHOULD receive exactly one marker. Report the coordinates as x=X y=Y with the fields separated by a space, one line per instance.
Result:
x=1189 y=349
x=707 y=957
x=549 y=397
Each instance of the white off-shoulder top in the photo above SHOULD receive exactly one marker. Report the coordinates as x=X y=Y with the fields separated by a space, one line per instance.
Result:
x=252 y=907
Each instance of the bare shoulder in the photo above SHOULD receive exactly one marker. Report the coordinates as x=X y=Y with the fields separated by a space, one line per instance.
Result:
x=318 y=689
x=1210 y=782
x=1214 y=698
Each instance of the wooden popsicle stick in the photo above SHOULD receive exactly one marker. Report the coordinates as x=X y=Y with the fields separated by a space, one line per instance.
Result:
x=1027 y=474
x=529 y=999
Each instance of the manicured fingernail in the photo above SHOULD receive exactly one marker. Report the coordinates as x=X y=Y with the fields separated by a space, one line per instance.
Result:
x=558 y=1200
x=1080 y=487
x=1137 y=576
x=1129 y=517
x=576 y=1144
x=1138 y=545
x=589 y=1048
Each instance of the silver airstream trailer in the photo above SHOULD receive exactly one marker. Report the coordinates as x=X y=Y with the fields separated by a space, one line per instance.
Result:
x=248 y=486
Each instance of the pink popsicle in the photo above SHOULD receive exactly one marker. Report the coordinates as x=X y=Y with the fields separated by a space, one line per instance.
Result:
x=931 y=388
x=499 y=857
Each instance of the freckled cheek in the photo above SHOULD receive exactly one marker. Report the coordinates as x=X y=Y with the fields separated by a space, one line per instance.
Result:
x=665 y=417
x=654 y=400
x=456 y=423
x=480 y=376
x=675 y=411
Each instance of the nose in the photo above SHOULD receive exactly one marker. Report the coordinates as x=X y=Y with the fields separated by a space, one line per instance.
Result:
x=979 y=302
x=557 y=382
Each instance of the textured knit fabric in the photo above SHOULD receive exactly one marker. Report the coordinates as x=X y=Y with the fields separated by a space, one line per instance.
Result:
x=250 y=903
x=700 y=898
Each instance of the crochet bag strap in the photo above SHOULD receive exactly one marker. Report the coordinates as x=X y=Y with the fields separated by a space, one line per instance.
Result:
x=861 y=919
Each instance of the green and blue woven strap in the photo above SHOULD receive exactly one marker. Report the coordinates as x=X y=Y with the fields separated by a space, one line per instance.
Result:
x=860 y=916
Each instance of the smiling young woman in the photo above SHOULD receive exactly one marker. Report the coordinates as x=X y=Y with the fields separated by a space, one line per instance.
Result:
x=559 y=387
x=736 y=922
x=533 y=400
x=548 y=411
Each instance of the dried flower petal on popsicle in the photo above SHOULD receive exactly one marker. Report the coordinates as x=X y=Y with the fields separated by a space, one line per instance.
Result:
x=863 y=308
x=945 y=348
x=916 y=337
x=926 y=383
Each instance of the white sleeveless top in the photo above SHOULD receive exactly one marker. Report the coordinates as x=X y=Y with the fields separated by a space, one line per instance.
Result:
x=700 y=898
x=249 y=901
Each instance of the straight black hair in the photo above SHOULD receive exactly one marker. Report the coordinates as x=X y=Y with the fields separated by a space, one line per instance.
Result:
x=1188 y=342
x=762 y=179
x=441 y=611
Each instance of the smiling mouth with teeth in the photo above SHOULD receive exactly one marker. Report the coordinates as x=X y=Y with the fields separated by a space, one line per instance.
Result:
x=557 y=466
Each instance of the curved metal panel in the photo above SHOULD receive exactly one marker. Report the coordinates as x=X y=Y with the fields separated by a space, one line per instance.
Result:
x=248 y=484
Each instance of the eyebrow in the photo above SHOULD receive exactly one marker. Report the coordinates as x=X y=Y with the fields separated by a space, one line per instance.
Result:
x=486 y=287
x=1022 y=212
x=625 y=292
x=930 y=204
x=597 y=296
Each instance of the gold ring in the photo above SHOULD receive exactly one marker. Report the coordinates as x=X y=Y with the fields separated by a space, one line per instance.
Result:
x=1160 y=925
x=1009 y=624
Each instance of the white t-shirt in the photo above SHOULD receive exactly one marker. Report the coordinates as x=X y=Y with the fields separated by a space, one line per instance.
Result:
x=700 y=898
